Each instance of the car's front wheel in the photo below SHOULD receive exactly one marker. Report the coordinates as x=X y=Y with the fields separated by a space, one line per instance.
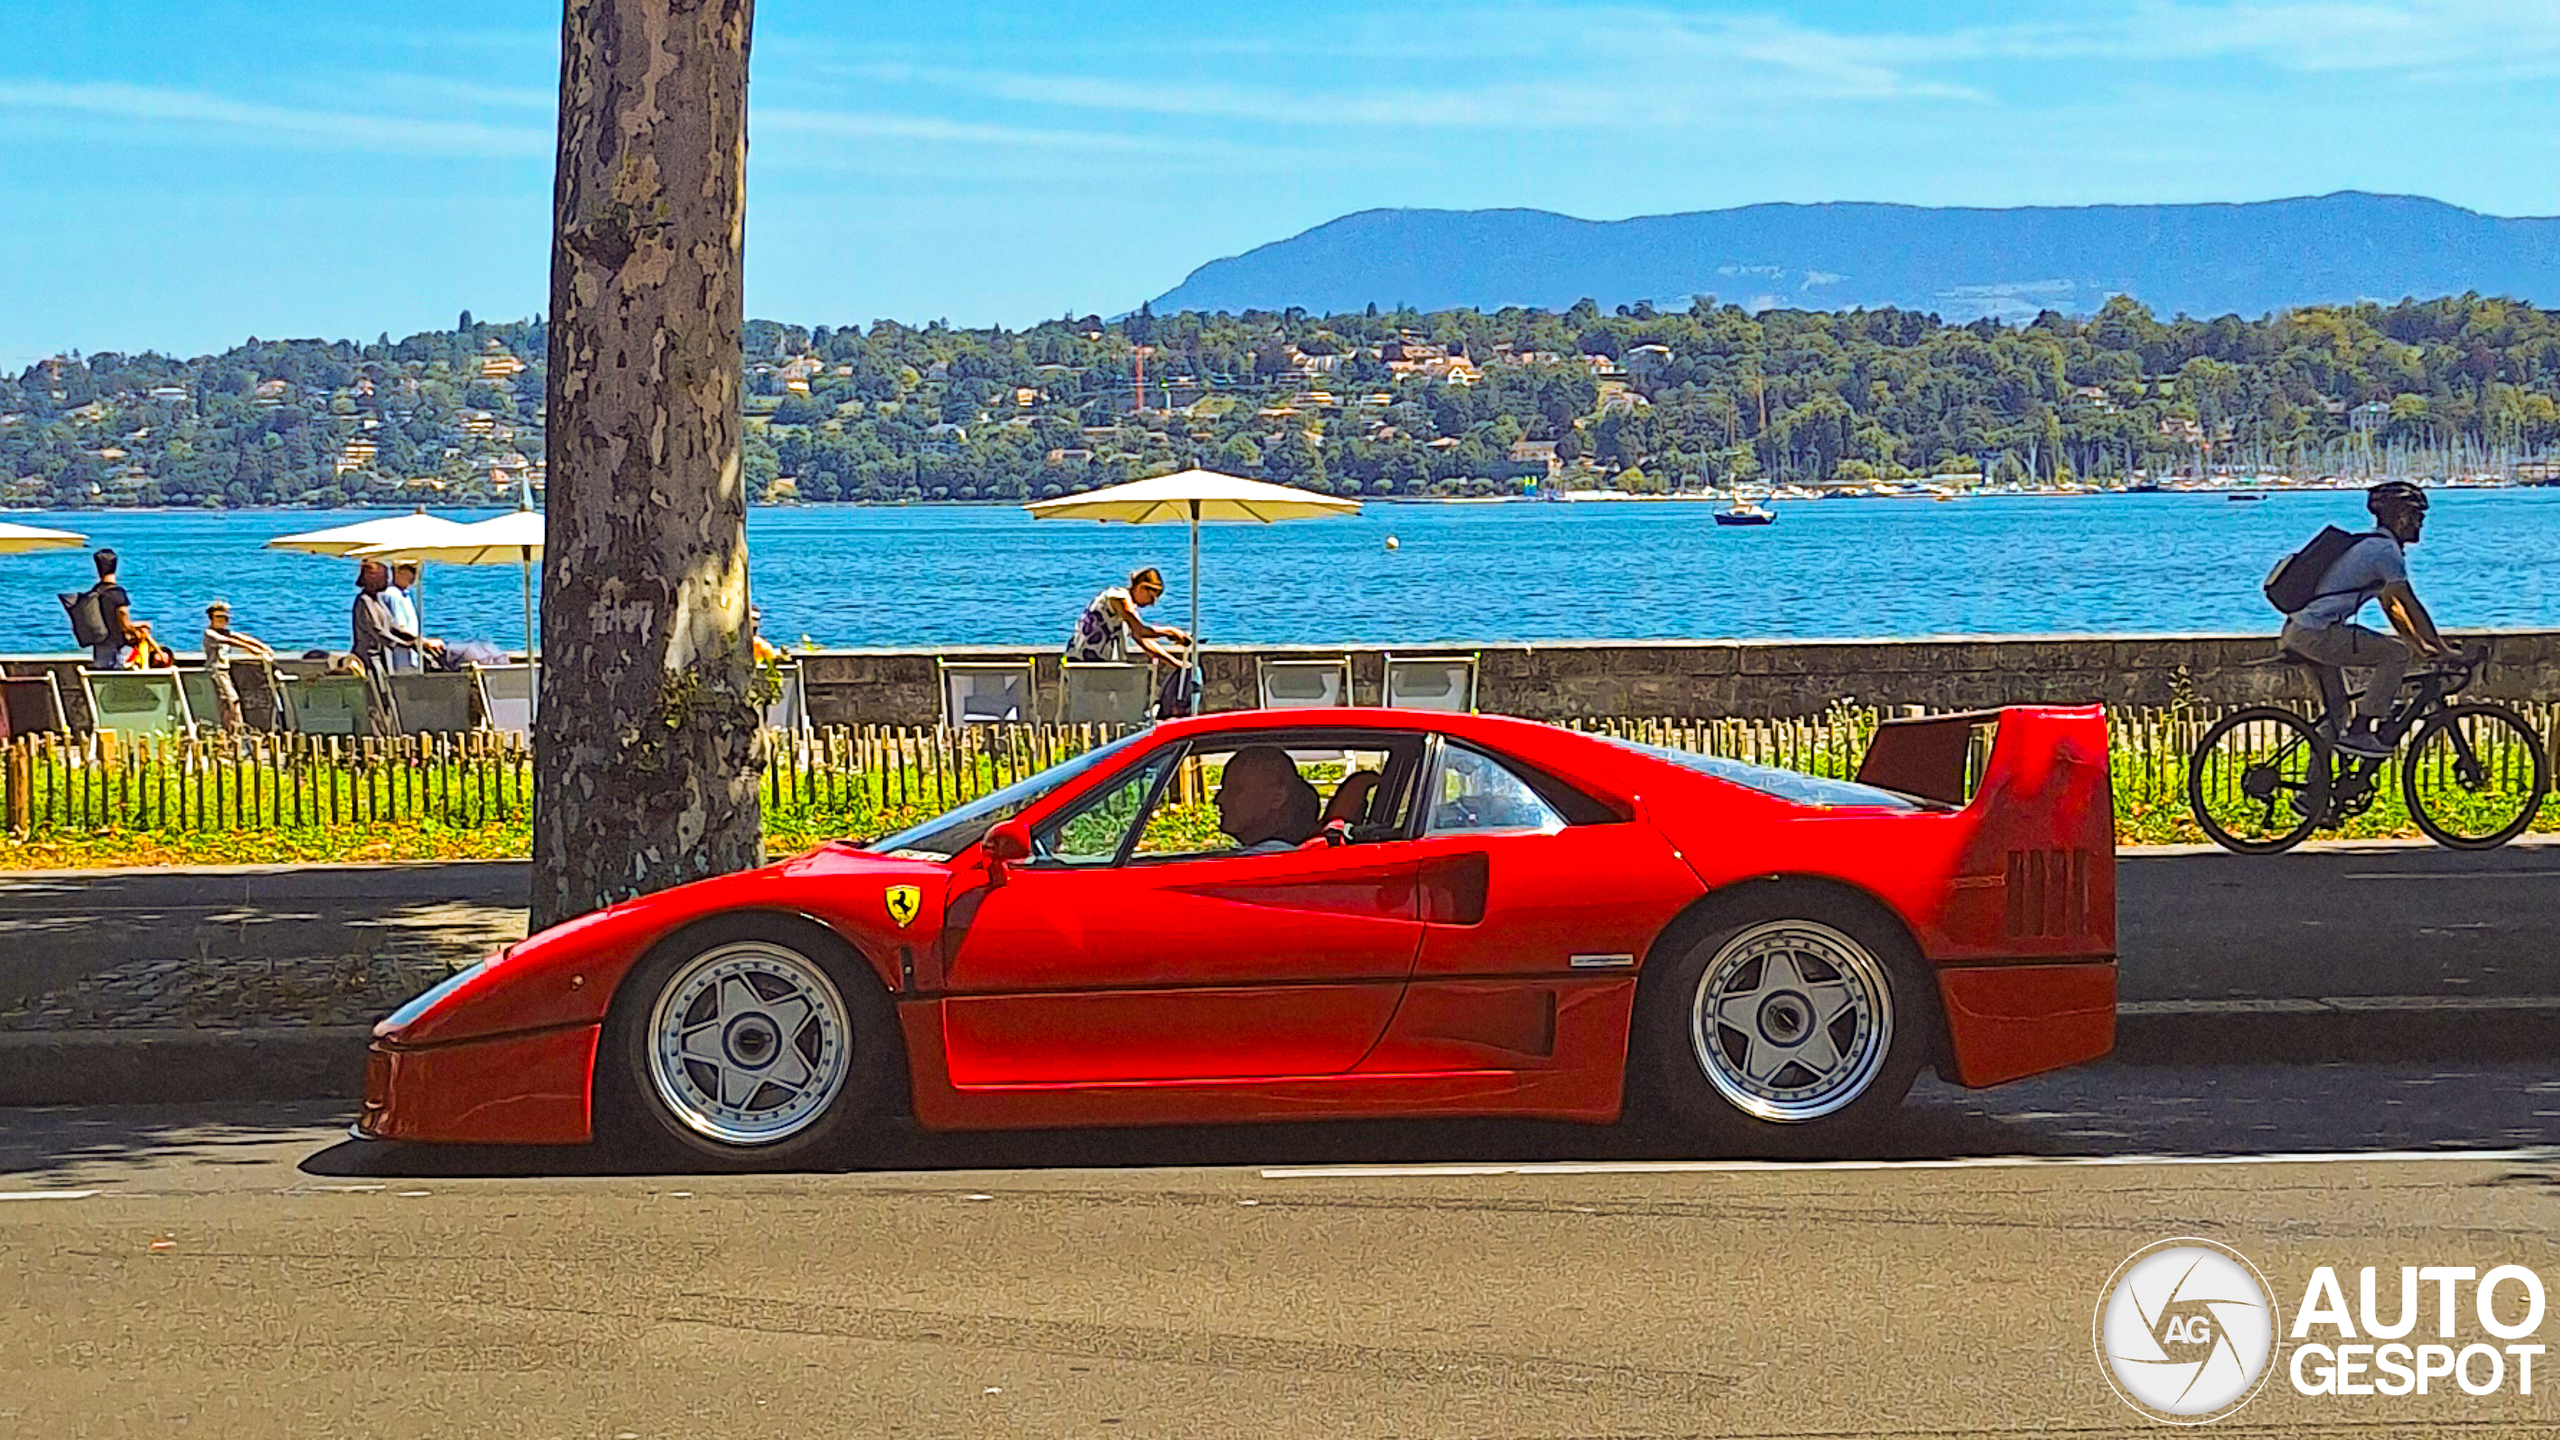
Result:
x=750 y=1042
x=1790 y=1022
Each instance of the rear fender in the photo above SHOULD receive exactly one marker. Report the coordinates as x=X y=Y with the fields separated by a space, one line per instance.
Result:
x=2036 y=877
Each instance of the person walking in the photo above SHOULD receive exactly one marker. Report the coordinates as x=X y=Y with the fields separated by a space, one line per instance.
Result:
x=220 y=641
x=115 y=613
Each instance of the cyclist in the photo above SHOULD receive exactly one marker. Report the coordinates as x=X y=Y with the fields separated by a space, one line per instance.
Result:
x=2373 y=568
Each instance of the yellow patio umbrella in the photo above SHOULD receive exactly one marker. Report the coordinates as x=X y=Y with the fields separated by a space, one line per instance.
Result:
x=21 y=539
x=1189 y=497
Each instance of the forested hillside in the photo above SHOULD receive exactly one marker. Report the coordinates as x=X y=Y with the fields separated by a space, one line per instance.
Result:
x=1377 y=403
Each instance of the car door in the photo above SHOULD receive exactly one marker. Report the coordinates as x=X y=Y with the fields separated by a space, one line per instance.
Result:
x=1103 y=959
x=1510 y=885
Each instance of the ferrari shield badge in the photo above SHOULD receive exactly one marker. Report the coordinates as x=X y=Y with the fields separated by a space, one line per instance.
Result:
x=902 y=901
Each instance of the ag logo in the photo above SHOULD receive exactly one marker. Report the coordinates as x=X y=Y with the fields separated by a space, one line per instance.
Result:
x=903 y=901
x=2186 y=1329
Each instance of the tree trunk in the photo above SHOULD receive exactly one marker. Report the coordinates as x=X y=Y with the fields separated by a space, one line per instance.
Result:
x=645 y=756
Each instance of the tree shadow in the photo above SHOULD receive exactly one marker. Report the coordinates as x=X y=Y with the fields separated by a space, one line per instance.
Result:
x=251 y=948
x=60 y=1145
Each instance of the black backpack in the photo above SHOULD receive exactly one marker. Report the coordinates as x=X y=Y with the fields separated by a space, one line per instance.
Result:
x=2295 y=582
x=88 y=617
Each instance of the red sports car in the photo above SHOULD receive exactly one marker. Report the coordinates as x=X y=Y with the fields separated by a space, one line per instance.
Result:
x=1288 y=915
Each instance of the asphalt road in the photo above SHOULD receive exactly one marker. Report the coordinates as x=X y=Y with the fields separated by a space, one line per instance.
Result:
x=244 y=1271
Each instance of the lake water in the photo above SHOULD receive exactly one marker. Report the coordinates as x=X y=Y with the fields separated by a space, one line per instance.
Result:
x=955 y=575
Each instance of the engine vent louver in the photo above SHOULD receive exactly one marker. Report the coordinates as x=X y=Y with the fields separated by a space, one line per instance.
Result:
x=2048 y=893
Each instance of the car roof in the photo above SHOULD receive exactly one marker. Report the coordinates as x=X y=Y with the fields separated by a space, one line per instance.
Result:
x=1490 y=728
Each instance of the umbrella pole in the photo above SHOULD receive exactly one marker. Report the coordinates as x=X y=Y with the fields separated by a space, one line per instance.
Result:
x=526 y=563
x=1199 y=682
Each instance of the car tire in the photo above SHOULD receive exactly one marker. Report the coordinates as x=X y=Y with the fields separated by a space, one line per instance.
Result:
x=1791 y=1023
x=746 y=1043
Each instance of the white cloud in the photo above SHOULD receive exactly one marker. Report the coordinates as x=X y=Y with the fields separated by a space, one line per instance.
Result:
x=861 y=125
x=202 y=116
x=1552 y=67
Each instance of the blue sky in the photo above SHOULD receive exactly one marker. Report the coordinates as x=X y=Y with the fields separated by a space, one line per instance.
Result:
x=182 y=175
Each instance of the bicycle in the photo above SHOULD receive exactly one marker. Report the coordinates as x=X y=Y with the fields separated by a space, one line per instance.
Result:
x=2473 y=776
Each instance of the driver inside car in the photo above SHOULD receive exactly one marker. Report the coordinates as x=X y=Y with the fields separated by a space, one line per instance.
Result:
x=1264 y=804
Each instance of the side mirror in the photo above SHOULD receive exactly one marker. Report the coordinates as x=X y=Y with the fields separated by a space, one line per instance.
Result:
x=1007 y=843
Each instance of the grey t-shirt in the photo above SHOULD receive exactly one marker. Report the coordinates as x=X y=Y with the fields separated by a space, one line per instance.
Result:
x=2374 y=561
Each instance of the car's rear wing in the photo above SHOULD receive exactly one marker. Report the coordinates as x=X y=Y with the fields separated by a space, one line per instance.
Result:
x=1931 y=757
x=2037 y=870
x=1955 y=758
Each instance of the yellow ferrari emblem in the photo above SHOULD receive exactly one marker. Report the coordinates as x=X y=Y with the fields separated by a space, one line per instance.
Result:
x=903 y=900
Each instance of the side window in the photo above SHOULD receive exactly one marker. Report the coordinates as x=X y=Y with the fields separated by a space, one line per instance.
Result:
x=1256 y=798
x=1092 y=833
x=1473 y=793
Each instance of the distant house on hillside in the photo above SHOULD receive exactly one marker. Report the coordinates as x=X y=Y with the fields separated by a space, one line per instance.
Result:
x=497 y=364
x=1537 y=453
x=1645 y=364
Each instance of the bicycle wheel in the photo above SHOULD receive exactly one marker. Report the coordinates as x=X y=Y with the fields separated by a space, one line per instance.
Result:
x=2474 y=776
x=2259 y=781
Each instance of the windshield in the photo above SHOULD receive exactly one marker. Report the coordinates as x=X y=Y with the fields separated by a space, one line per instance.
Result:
x=953 y=831
x=1785 y=784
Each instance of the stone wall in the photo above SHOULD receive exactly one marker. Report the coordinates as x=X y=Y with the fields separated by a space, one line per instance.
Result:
x=1680 y=678
x=1677 y=678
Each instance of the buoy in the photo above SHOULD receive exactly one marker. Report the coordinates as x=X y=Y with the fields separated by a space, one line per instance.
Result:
x=1391 y=542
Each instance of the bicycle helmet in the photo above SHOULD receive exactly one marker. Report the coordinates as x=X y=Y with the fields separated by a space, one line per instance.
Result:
x=2395 y=497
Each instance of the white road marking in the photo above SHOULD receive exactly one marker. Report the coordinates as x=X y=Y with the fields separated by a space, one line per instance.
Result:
x=1970 y=1162
x=2454 y=875
x=2328 y=1003
x=48 y=1194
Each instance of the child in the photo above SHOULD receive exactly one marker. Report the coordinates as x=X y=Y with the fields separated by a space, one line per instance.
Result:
x=219 y=641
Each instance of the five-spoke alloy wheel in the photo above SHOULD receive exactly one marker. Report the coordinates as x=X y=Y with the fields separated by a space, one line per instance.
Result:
x=1789 y=1020
x=750 y=1041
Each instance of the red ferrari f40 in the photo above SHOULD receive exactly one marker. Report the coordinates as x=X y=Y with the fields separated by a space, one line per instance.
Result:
x=1295 y=915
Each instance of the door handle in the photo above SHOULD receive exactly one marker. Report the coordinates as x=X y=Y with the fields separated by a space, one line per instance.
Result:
x=1453 y=889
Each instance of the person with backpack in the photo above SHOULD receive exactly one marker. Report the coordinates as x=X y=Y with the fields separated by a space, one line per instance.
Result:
x=102 y=619
x=2322 y=587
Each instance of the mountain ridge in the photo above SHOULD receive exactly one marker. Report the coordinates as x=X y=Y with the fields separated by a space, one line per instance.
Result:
x=2242 y=257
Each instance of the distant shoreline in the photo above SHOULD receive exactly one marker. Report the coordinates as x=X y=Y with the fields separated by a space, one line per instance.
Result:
x=1569 y=498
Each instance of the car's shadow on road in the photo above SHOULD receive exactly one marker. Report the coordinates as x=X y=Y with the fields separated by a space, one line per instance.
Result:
x=1926 y=1134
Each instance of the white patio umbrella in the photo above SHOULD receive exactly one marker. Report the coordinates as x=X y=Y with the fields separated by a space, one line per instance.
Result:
x=416 y=528
x=20 y=539
x=1189 y=497
x=514 y=538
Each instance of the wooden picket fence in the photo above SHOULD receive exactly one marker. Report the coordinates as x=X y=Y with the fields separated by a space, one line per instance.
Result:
x=861 y=779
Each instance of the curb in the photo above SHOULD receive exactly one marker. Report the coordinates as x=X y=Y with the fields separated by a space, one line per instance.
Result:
x=173 y=1066
x=326 y=1062
x=2354 y=1029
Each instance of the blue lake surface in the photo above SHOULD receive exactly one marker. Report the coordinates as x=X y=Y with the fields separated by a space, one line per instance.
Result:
x=952 y=575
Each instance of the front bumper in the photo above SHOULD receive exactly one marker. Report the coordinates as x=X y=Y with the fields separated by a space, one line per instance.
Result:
x=532 y=1088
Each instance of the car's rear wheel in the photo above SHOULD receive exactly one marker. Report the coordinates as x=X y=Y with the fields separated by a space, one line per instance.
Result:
x=750 y=1042
x=1792 y=1022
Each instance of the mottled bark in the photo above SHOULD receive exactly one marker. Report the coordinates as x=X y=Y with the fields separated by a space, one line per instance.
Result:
x=645 y=758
